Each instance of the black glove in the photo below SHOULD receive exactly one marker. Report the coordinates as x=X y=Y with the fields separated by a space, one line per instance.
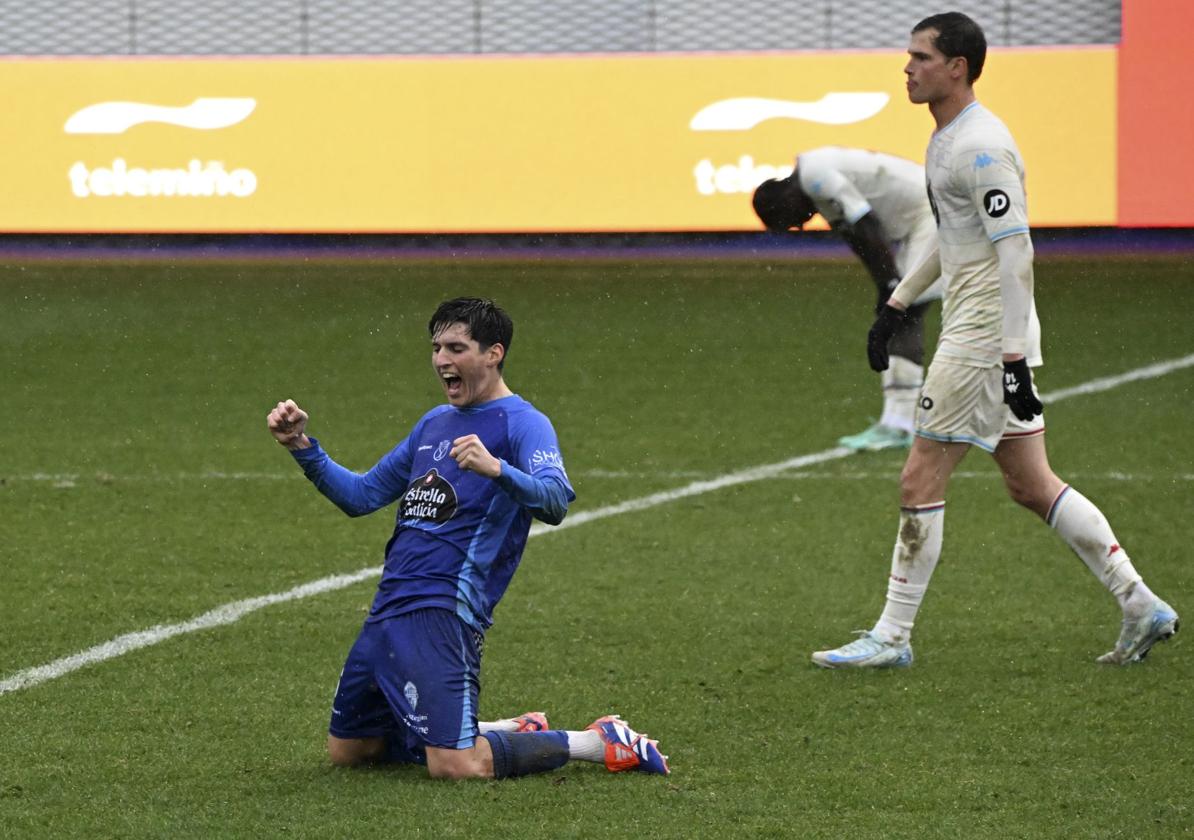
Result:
x=885 y=290
x=882 y=330
x=1017 y=390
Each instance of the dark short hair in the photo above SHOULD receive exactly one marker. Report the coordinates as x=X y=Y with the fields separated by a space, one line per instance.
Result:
x=782 y=205
x=488 y=324
x=958 y=35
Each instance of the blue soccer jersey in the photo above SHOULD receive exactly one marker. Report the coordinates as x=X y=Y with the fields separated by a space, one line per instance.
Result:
x=458 y=535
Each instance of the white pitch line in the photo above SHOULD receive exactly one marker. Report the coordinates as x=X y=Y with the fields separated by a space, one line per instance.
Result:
x=72 y=479
x=694 y=489
x=230 y=613
x=226 y=614
x=1106 y=383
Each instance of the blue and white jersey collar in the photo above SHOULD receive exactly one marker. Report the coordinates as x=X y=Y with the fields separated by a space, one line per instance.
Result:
x=973 y=105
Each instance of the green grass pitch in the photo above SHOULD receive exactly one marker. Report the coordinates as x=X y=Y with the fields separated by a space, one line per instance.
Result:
x=139 y=487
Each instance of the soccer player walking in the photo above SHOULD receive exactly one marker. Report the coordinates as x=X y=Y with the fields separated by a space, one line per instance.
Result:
x=979 y=389
x=467 y=479
x=877 y=204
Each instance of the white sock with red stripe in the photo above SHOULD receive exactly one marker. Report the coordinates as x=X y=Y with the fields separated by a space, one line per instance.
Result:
x=917 y=550
x=1086 y=531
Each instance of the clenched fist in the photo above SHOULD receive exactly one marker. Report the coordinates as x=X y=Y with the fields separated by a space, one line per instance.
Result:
x=470 y=453
x=288 y=424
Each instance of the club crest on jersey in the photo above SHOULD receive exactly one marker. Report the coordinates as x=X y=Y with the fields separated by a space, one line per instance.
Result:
x=441 y=450
x=429 y=498
x=996 y=203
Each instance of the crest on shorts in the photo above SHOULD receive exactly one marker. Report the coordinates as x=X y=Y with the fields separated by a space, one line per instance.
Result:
x=412 y=695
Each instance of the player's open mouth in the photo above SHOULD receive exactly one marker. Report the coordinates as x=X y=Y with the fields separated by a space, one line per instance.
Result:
x=452 y=384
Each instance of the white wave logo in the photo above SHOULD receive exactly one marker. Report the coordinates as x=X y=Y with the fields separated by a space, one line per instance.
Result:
x=205 y=114
x=744 y=113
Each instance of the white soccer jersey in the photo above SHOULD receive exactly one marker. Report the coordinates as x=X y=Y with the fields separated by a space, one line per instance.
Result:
x=846 y=184
x=976 y=184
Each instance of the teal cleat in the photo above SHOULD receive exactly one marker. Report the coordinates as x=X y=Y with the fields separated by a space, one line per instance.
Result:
x=877 y=437
x=867 y=651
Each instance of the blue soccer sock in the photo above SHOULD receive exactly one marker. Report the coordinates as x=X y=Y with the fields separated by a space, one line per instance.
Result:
x=523 y=753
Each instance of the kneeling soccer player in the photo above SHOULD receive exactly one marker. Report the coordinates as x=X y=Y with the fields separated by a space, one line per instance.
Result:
x=467 y=479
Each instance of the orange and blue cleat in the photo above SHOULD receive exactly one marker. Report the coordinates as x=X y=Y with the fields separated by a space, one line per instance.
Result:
x=626 y=749
x=532 y=722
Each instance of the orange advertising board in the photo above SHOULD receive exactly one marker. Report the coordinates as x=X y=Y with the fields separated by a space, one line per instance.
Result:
x=501 y=144
x=1156 y=126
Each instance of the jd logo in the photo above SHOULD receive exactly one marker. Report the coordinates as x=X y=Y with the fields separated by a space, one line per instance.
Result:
x=996 y=203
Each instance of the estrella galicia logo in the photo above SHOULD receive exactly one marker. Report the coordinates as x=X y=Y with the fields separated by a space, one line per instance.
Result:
x=430 y=498
x=996 y=203
x=441 y=450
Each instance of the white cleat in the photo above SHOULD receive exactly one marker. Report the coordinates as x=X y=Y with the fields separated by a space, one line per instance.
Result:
x=1141 y=632
x=867 y=651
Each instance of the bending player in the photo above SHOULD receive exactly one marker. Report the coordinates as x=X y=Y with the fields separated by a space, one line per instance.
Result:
x=468 y=479
x=877 y=204
x=979 y=389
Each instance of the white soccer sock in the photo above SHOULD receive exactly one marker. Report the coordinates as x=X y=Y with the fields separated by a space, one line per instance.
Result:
x=1086 y=531
x=586 y=746
x=507 y=725
x=917 y=550
x=901 y=388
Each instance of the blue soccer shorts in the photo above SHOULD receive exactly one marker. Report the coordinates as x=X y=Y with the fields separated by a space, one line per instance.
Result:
x=417 y=673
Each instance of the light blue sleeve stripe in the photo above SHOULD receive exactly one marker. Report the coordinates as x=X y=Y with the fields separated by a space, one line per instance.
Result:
x=1006 y=233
